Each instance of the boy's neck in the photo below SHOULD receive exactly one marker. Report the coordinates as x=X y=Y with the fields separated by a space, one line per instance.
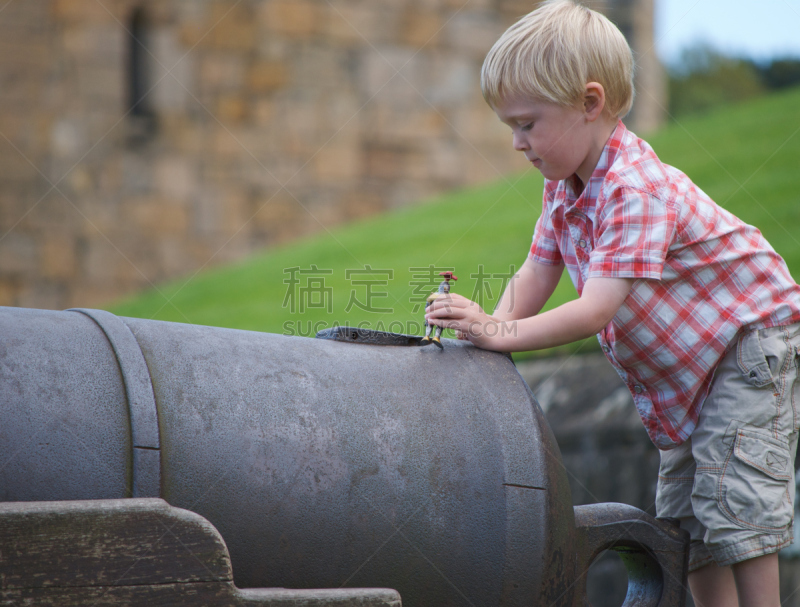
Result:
x=599 y=133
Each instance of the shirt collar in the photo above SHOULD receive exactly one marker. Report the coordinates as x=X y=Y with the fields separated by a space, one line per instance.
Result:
x=567 y=187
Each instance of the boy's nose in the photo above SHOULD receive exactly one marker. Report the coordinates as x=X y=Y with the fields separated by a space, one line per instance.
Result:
x=520 y=144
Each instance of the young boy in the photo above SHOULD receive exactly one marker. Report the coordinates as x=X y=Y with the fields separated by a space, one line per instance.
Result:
x=693 y=308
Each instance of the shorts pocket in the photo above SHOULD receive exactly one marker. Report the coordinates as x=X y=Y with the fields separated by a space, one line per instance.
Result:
x=754 y=487
x=752 y=361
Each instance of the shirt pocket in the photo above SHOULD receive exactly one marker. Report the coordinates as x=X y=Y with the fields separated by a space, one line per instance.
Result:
x=754 y=486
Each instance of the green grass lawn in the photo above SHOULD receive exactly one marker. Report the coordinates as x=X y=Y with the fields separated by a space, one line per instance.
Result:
x=747 y=158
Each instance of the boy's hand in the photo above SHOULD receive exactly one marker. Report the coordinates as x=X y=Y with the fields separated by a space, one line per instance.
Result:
x=465 y=317
x=574 y=320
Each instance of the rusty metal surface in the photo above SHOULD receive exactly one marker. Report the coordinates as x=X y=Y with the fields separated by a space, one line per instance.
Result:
x=369 y=337
x=137 y=553
x=322 y=463
x=655 y=552
x=64 y=424
x=146 y=480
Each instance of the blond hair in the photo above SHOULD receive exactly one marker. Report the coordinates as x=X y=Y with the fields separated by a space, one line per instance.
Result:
x=553 y=52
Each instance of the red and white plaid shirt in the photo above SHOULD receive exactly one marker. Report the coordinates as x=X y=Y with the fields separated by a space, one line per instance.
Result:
x=703 y=275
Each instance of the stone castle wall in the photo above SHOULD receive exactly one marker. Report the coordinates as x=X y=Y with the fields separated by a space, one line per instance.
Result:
x=262 y=120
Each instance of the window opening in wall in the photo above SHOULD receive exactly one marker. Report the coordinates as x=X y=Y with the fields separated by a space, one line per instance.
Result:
x=141 y=117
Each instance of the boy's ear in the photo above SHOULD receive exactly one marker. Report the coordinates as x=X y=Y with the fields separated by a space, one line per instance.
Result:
x=594 y=101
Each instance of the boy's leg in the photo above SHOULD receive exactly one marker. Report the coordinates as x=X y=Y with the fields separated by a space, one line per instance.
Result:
x=713 y=586
x=757 y=581
x=750 y=583
x=731 y=484
x=744 y=447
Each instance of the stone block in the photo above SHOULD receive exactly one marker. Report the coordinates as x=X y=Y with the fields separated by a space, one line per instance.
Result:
x=42 y=295
x=231 y=109
x=418 y=164
x=222 y=73
x=477 y=124
x=83 y=11
x=12 y=207
x=393 y=127
x=421 y=28
x=58 y=260
x=224 y=143
x=98 y=260
x=155 y=217
x=15 y=170
x=512 y=10
x=80 y=180
x=230 y=28
x=9 y=292
x=137 y=173
x=263 y=112
x=174 y=257
x=393 y=76
x=385 y=162
x=101 y=87
x=321 y=72
x=206 y=212
x=235 y=213
x=445 y=159
x=19 y=255
x=277 y=214
x=361 y=203
x=266 y=76
x=353 y=24
x=52 y=210
x=19 y=49
x=96 y=43
x=93 y=294
x=172 y=71
x=454 y=81
x=337 y=162
x=192 y=32
x=293 y=18
x=473 y=32
x=175 y=178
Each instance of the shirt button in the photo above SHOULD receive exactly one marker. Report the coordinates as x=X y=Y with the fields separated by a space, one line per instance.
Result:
x=638 y=389
x=606 y=349
x=582 y=243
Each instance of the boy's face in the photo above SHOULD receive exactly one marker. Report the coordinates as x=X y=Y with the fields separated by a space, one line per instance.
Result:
x=557 y=140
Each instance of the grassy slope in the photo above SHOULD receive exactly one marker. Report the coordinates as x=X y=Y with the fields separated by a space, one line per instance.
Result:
x=745 y=157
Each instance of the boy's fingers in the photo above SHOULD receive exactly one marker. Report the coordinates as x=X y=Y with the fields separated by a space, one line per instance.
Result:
x=448 y=304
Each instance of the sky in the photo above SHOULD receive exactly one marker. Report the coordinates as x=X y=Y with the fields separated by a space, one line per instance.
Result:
x=759 y=29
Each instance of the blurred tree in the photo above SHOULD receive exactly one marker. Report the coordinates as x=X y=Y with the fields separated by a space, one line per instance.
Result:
x=780 y=73
x=705 y=78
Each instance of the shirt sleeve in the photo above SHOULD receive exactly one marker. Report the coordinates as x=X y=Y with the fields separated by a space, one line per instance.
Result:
x=544 y=248
x=633 y=233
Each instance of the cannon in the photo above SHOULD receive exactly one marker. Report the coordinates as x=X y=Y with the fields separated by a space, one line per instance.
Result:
x=355 y=460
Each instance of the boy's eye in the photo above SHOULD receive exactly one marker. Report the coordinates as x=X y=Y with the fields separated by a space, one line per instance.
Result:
x=526 y=127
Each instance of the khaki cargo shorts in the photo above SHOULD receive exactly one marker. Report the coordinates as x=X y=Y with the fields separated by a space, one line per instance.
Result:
x=731 y=485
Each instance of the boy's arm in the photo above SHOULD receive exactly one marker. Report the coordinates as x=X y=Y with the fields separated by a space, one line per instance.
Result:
x=572 y=321
x=528 y=290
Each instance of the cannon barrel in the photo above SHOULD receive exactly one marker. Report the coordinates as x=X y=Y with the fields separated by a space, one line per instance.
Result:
x=322 y=464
